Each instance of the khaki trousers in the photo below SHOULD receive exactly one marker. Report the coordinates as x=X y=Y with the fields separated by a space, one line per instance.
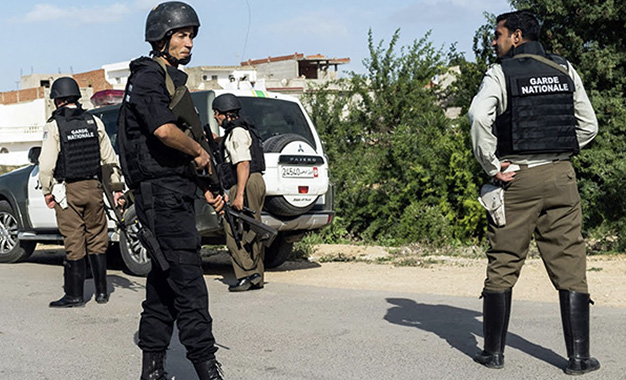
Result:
x=245 y=264
x=542 y=201
x=83 y=223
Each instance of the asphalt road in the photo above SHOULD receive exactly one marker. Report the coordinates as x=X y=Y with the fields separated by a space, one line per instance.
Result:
x=285 y=332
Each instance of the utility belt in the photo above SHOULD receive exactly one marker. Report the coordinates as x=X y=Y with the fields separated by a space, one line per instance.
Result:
x=72 y=180
x=539 y=163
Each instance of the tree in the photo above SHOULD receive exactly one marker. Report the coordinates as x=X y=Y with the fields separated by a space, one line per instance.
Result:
x=403 y=171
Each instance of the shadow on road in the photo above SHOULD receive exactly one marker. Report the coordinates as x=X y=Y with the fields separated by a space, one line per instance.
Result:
x=219 y=263
x=459 y=327
x=214 y=262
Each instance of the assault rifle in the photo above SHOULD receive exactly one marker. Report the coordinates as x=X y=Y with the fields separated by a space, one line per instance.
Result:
x=187 y=117
x=145 y=236
x=261 y=231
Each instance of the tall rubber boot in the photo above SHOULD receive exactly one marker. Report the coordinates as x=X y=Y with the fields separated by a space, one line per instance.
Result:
x=99 y=270
x=575 y=317
x=153 y=366
x=74 y=282
x=209 y=370
x=496 y=313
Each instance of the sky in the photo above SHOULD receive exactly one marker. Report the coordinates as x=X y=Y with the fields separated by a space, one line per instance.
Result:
x=53 y=36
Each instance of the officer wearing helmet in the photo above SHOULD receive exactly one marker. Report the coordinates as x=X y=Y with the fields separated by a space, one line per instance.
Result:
x=243 y=154
x=156 y=153
x=74 y=147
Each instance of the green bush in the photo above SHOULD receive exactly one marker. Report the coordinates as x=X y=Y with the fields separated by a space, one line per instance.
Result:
x=402 y=170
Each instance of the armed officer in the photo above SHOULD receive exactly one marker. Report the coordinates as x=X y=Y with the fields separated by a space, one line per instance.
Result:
x=156 y=154
x=530 y=116
x=74 y=146
x=242 y=174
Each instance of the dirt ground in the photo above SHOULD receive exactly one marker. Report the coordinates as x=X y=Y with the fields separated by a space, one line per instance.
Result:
x=369 y=268
x=447 y=276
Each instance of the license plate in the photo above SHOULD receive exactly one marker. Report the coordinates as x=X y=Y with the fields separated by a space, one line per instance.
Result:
x=297 y=172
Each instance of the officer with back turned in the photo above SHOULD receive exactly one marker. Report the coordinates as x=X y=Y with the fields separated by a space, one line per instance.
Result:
x=74 y=147
x=530 y=116
x=156 y=154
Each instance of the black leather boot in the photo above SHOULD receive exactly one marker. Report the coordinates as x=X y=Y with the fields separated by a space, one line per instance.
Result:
x=99 y=269
x=74 y=282
x=496 y=313
x=209 y=370
x=153 y=366
x=575 y=317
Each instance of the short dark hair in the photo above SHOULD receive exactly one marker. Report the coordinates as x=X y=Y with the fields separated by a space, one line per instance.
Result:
x=523 y=20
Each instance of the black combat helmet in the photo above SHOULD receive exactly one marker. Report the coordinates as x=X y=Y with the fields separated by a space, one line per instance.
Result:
x=169 y=16
x=226 y=103
x=64 y=87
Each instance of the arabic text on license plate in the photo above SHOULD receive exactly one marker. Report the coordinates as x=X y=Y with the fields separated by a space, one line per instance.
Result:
x=297 y=171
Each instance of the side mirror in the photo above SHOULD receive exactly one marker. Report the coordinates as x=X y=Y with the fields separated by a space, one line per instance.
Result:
x=33 y=155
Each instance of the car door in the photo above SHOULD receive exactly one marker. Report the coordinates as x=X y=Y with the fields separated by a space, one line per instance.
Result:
x=41 y=217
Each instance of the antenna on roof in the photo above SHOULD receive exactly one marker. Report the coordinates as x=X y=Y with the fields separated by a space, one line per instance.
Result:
x=245 y=43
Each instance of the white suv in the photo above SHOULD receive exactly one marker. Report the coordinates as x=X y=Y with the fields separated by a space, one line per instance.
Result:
x=299 y=195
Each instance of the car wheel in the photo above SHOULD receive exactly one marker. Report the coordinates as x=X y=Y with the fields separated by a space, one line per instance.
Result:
x=278 y=252
x=278 y=205
x=11 y=248
x=133 y=253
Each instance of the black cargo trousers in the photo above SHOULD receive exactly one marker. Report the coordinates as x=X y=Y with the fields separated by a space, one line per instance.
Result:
x=179 y=294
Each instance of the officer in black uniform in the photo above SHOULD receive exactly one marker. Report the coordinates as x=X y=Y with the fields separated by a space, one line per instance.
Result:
x=242 y=174
x=74 y=147
x=156 y=154
x=530 y=116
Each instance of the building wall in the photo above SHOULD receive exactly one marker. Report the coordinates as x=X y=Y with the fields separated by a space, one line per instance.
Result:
x=25 y=95
x=22 y=114
x=117 y=74
x=277 y=70
x=219 y=77
x=37 y=80
x=93 y=79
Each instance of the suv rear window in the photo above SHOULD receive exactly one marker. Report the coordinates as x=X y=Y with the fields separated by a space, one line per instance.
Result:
x=273 y=117
x=108 y=115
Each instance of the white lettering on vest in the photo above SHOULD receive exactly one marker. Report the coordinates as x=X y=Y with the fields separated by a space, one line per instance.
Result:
x=544 y=85
x=79 y=134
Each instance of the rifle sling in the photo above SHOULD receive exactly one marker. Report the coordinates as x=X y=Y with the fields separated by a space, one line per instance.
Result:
x=544 y=60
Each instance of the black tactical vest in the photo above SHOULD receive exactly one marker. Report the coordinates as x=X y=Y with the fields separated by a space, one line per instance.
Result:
x=79 y=157
x=540 y=107
x=142 y=155
x=257 y=164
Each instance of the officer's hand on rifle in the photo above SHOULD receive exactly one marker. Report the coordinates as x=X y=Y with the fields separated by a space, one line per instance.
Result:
x=203 y=162
x=237 y=203
x=118 y=197
x=217 y=201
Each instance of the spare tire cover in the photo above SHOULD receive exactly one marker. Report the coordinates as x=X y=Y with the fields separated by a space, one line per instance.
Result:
x=289 y=205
